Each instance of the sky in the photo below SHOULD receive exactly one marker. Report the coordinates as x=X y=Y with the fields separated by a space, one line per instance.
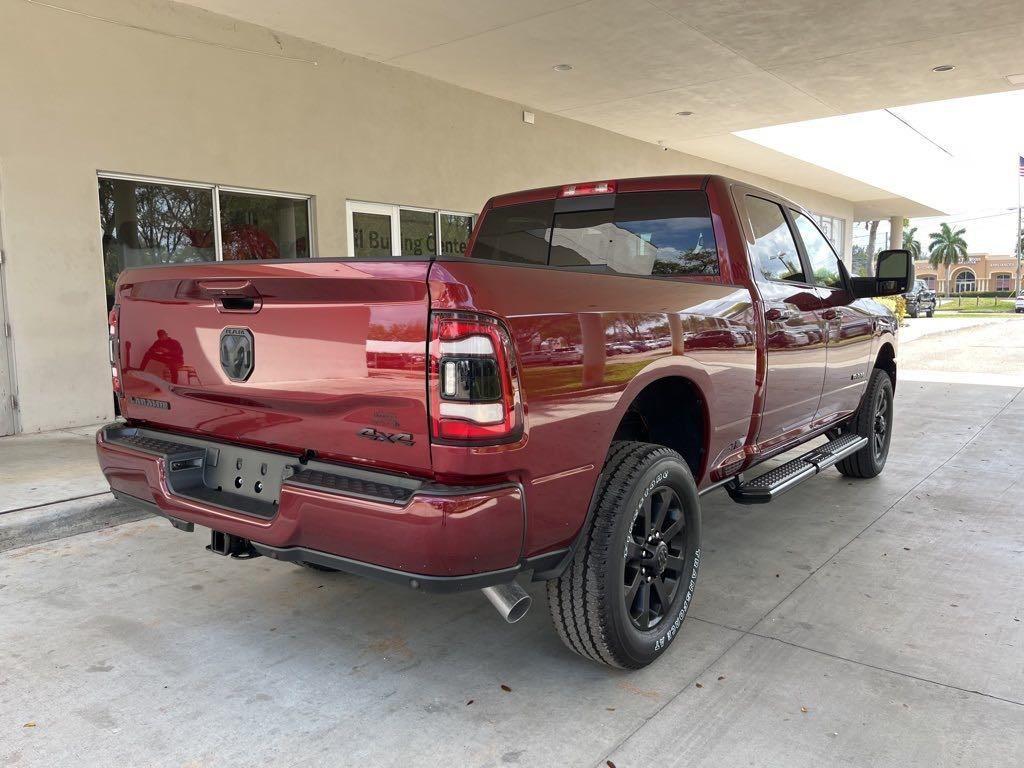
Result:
x=958 y=156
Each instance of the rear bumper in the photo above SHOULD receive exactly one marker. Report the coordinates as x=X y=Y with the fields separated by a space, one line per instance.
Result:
x=422 y=534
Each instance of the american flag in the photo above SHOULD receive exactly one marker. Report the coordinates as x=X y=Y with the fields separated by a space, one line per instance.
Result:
x=1020 y=164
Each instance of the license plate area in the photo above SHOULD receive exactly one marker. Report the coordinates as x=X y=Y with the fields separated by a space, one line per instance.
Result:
x=240 y=479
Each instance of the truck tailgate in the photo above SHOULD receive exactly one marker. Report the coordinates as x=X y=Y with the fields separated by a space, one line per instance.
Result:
x=314 y=355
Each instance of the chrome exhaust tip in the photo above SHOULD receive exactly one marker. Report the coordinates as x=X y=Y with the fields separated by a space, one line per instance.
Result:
x=510 y=599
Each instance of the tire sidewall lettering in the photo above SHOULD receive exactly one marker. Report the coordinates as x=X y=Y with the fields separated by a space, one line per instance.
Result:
x=662 y=642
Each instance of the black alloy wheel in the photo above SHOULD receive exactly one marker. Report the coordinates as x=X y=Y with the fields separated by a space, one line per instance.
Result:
x=653 y=566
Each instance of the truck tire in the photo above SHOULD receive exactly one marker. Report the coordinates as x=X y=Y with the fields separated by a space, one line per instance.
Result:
x=912 y=313
x=873 y=421
x=930 y=313
x=622 y=598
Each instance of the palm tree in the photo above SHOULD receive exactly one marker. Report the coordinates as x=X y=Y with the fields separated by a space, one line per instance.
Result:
x=911 y=243
x=947 y=246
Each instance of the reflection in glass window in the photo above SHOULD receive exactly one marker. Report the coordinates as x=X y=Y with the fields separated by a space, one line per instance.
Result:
x=455 y=230
x=418 y=234
x=646 y=233
x=516 y=233
x=144 y=223
x=371 y=234
x=824 y=262
x=832 y=227
x=773 y=252
x=263 y=227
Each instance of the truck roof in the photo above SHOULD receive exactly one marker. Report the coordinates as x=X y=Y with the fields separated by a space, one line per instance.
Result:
x=636 y=184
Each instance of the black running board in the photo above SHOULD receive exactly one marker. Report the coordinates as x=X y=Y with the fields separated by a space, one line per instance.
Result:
x=775 y=482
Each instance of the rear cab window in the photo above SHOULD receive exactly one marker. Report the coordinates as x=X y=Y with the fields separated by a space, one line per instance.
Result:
x=664 y=234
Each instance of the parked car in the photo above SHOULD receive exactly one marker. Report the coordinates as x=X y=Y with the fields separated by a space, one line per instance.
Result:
x=476 y=464
x=566 y=356
x=1018 y=305
x=920 y=300
x=620 y=348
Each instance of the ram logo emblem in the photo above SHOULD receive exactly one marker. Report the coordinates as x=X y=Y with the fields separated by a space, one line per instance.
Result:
x=236 y=353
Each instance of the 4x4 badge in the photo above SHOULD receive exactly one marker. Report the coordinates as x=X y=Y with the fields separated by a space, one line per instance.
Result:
x=399 y=438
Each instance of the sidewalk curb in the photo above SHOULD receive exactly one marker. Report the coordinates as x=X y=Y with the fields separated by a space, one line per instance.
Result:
x=64 y=518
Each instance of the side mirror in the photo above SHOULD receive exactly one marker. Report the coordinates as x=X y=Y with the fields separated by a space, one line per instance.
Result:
x=894 y=274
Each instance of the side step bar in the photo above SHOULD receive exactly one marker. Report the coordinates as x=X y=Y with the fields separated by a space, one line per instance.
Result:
x=774 y=482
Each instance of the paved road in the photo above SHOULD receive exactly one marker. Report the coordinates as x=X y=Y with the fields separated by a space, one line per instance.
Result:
x=986 y=352
x=852 y=623
x=917 y=327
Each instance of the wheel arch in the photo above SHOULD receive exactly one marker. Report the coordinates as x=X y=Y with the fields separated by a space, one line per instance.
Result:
x=671 y=411
x=886 y=360
x=639 y=400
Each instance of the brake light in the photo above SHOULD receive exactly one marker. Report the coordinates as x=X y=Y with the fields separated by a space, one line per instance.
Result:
x=113 y=343
x=474 y=382
x=590 y=188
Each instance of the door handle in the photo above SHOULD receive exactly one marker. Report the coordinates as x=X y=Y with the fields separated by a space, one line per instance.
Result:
x=775 y=314
x=233 y=295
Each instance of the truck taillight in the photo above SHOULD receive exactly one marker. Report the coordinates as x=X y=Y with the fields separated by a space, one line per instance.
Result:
x=115 y=373
x=474 y=382
x=591 y=188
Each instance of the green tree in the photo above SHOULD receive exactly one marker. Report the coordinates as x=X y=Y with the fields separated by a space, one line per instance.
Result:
x=947 y=246
x=910 y=241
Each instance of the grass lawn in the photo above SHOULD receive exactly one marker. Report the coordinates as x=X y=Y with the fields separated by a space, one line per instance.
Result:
x=975 y=306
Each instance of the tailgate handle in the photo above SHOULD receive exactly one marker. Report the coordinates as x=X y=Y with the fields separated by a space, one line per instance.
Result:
x=233 y=295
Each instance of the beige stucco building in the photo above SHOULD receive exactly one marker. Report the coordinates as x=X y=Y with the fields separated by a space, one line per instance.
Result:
x=149 y=131
x=979 y=272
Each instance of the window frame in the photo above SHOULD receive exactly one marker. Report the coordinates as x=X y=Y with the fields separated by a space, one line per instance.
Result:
x=215 y=190
x=394 y=210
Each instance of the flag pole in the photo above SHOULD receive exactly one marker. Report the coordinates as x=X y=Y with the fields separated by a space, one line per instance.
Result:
x=1018 y=237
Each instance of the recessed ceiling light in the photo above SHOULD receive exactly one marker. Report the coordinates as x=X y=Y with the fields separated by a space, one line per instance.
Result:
x=943 y=68
x=684 y=113
x=1015 y=79
x=562 y=67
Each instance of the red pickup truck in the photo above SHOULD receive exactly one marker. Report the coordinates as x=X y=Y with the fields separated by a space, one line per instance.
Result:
x=555 y=402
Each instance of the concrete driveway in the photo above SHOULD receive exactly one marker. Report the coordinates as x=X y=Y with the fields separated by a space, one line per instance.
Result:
x=852 y=623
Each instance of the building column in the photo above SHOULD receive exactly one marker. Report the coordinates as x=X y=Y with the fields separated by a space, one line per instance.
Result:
x=895 y=231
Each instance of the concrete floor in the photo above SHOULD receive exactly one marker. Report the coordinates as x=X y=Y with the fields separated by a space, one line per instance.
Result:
x=851 y=623
x=965 y=349
x=48 y=467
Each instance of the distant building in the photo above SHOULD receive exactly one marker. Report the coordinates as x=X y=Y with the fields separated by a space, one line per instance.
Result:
x=980 y=272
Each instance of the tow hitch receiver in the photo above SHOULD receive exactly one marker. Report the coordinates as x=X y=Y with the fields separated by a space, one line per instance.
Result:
x=235 y=546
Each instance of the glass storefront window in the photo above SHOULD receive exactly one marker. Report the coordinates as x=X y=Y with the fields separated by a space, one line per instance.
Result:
x=455 y=230
x=152 y=221
x=148 y=223
x=419 y=234
x=380 y=229
x=371 y=234
x=263 y=226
